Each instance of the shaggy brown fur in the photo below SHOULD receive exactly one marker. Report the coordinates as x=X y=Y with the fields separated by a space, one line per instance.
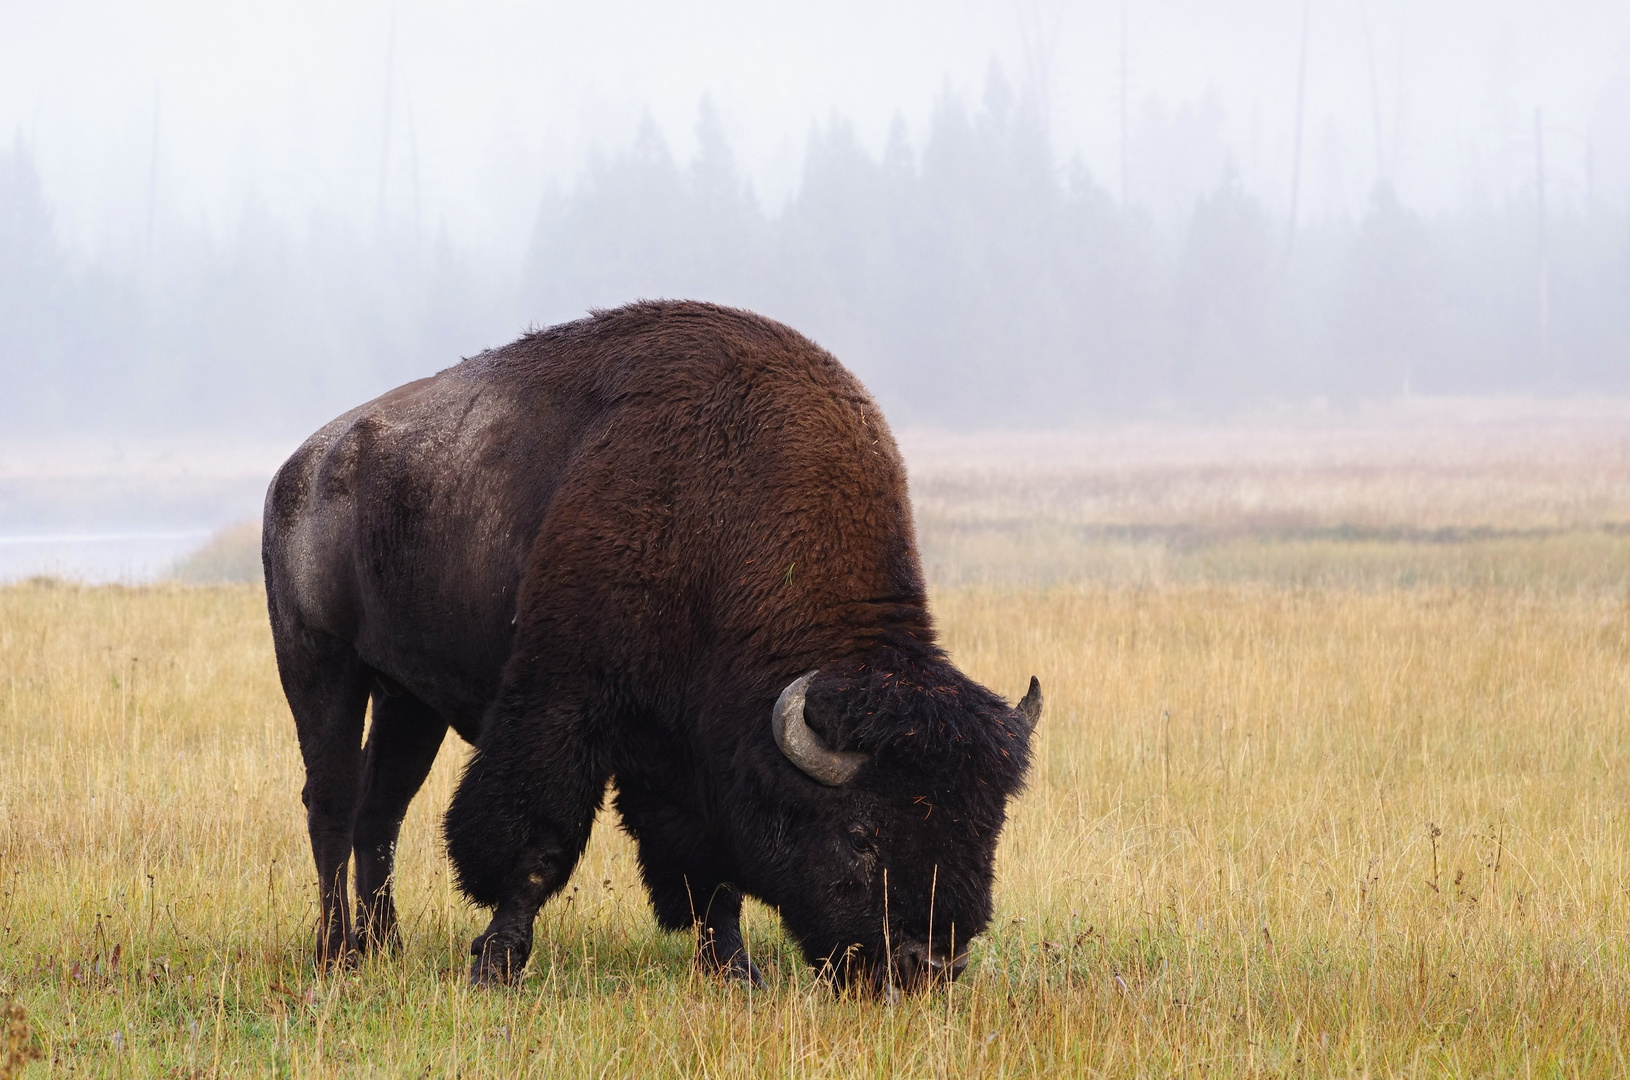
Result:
x=600 y=553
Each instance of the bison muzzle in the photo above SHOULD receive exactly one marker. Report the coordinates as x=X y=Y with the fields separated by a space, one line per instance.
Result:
x=666 y=549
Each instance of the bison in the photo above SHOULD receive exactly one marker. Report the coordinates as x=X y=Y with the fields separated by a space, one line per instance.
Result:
x=666 y=548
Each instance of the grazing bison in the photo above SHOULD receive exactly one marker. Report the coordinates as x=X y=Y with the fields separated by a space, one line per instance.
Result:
x=667 y=547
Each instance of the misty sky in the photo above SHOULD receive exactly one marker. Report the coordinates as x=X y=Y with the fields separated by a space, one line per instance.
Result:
x=284 y=106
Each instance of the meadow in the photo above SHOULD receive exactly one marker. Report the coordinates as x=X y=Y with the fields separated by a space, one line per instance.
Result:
x=1314 y=795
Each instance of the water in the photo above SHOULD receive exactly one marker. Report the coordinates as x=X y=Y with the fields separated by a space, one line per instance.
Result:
x=124 y=510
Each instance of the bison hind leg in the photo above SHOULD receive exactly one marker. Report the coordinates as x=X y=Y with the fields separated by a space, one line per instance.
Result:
x=327 y=688
x=403 y=740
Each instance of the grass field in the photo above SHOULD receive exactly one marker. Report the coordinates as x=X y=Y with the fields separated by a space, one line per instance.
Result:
x=1271 y=830
x=1311 y=799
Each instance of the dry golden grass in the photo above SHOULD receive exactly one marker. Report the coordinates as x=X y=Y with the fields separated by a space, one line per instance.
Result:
x=1375 y=830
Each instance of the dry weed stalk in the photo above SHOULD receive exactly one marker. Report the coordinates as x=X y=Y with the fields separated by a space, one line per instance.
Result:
x=20 y=1047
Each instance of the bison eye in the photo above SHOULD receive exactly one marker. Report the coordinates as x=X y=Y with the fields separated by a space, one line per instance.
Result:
x=861 y=838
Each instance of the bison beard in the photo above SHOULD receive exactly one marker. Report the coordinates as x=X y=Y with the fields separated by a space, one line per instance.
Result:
x=666 y=548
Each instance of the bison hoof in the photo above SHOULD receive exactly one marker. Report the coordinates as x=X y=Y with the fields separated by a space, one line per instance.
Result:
x=377 y=931
x=498 y=961
x=379 y=940
x=736 y=969
x=741 y=969
x=335 y=953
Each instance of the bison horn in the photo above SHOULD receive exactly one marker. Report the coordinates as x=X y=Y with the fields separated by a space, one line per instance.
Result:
x=802 y=746
x=1029 y=709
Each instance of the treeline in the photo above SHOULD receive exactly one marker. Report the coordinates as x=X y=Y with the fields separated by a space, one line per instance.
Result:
x=974 y=278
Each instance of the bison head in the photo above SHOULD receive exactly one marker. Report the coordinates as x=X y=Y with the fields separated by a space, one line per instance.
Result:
x=884 y=833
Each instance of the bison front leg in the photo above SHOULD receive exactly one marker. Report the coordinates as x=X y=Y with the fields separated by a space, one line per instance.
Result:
x=686 y=874
x=518 y=823
x=719 y=945
x=542 y=867
x=501 y=950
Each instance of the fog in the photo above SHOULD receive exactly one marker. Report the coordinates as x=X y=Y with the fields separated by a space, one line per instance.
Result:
x=246 y=218
x=222 y=225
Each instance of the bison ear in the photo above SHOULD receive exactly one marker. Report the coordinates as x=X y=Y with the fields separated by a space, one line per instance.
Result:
x=1029 y=708
x=803 y=747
